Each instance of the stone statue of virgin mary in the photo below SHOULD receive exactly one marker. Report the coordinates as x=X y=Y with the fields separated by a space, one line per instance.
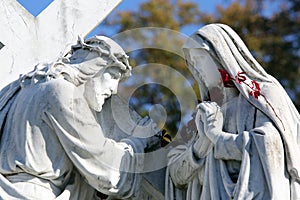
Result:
x=248 y=130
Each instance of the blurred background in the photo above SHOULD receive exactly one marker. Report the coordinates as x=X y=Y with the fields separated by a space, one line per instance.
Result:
x=270 y=29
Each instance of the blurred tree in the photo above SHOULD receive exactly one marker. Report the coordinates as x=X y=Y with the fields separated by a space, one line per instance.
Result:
x=273 y=38
x=173 y=15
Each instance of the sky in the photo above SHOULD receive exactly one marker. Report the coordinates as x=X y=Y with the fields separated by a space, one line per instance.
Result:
x=205 y=6
x=36 y=7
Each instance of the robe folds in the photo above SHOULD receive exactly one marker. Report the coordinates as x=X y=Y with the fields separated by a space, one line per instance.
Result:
x=53 y=147
x=256 y=155
x=247 y=165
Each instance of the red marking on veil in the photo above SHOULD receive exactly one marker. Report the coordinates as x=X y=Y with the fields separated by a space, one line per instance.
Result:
x=255 y=90
x=240 y=78
x=227 y=80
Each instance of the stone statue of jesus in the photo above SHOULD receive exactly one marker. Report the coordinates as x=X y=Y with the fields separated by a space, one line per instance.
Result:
x=52 y=145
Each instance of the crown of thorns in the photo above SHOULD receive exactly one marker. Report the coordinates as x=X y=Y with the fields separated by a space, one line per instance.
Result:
x=100 y=46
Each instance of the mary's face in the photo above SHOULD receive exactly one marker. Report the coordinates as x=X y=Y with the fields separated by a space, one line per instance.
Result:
x=206 y=67
x=206 y=70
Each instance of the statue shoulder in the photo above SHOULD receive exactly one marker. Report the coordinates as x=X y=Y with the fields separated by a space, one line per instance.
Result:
x=60 y=90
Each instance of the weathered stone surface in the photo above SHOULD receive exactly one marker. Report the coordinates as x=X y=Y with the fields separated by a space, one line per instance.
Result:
x=64 y=139
x=247 y=141
x=29 y=40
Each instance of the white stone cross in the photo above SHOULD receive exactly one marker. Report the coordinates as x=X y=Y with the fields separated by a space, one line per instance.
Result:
x=27 y=40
